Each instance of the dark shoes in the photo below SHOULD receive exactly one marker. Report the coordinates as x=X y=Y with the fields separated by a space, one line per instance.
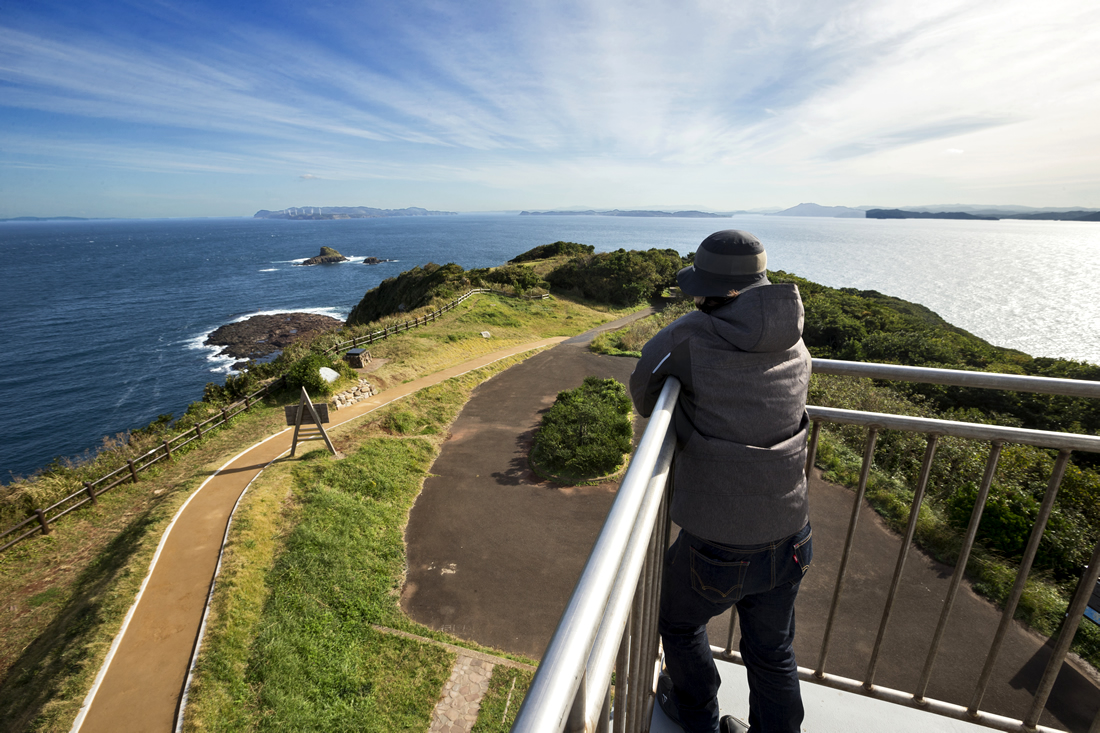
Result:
x=728 y=724
x=664 y=699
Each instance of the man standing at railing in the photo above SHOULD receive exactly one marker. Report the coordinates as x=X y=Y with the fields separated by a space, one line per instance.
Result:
x=739 y=488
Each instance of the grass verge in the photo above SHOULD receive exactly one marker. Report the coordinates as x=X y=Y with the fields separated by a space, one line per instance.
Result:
x=502 y=700
x=314 y=558
x=65 y=594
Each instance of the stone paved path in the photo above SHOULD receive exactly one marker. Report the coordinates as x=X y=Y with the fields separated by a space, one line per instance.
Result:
x=461 y=700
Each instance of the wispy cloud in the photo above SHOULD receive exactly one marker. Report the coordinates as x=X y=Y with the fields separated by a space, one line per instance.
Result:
x=561 y=91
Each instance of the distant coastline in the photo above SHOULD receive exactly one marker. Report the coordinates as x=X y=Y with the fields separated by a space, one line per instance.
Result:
x=56 y=218
x=314 y=213
x=637 y=212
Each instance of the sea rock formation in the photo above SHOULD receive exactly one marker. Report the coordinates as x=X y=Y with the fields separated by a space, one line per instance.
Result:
x=328 y=256
x=375 y=261
x=260 y=336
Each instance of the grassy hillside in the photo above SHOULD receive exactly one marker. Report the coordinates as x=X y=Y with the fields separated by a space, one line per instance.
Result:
x=66 y=593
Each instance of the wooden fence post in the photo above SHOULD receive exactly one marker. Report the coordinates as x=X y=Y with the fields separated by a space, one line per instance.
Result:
x=133 y=471
x=42 y=521
x=91 y=492
x=225 y=417
x=167 y=450
x=198 y=431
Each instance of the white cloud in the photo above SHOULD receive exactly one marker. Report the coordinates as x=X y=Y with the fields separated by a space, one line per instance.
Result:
x=634 y=96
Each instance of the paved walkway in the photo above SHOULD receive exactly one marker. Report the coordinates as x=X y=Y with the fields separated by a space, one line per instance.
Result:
x=493 y=551
x=141 y=682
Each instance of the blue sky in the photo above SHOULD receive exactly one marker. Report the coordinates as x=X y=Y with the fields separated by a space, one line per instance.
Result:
x=161 y=108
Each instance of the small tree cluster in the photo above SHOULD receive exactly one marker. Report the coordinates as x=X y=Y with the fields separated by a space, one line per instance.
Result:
x=557 y=249
x=621 y=277
x=587 y=431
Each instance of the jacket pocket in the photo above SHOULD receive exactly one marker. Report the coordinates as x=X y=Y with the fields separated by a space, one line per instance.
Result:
x=716 y=580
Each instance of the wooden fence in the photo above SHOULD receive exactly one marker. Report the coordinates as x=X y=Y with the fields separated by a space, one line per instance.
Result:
x=41 y=519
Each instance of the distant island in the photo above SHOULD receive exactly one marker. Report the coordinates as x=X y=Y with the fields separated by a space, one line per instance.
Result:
x=616 y=212
x=345 y=212
x=49 y=218
x=841 y=212
x=902 y=214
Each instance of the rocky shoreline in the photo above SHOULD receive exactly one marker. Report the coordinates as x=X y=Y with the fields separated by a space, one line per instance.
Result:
x=261 y=336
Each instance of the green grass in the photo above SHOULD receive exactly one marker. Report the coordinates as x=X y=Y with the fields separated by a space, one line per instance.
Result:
x=316 y=663
x=502 y=700
x=628 y=341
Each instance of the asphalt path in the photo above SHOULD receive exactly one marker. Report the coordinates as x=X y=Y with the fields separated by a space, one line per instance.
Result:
x=494 y=553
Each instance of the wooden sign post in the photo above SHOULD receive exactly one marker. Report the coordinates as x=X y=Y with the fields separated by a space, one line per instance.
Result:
x=306 y=417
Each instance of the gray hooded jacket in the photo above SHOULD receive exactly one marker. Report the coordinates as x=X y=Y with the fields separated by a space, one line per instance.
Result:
x=741 y=421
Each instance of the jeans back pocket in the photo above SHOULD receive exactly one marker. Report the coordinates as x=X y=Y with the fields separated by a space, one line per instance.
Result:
x=716 y=580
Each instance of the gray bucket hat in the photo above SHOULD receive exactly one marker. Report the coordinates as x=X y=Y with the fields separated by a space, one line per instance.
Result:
x=726 y=260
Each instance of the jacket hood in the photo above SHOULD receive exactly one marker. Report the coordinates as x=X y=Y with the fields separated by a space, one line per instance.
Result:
x=767 y=318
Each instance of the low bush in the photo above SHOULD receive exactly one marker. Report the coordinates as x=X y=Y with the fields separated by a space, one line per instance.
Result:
x=586 y=432
x=307 y=373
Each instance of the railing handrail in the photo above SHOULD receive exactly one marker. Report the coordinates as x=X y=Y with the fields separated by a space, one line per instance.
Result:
x=959 y=378
x=551 y=695
x=557 y=697
x=973 y=431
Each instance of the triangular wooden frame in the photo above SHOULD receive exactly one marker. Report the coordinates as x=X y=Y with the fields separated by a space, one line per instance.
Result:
x=309 y=433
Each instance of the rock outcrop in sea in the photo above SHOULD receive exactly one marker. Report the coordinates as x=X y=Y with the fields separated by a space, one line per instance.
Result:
x=328 y=256
x=261 y=336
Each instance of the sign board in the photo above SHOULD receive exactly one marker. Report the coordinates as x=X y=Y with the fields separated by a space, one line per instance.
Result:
x=1092 y=611
x=307 y=418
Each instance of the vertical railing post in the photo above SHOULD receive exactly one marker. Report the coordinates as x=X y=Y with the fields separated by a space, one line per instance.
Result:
x=960 y=569
x=90 y=491
x=868 y=456
x=133 y=471
x=1074 y=613
x=42 y=521
x=906 y=543
x=622 y=662
x=575 y=722
x=811 y=452
x=1021 y=577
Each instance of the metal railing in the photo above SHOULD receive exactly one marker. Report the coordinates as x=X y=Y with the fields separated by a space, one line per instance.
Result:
x=610 y=621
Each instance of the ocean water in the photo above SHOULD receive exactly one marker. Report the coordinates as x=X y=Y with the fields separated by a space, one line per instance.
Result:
x=103 y=321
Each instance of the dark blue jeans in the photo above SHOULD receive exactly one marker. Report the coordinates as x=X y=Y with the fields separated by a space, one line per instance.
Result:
x=702 y=580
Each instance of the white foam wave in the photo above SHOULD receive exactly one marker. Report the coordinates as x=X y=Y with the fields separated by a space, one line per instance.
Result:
x=271 y=269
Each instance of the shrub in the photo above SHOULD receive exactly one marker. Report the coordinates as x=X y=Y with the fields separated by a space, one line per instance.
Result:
x=307 y=373
x=621 y=277
x=518 y=276
x=546 y=251
x=587 y=431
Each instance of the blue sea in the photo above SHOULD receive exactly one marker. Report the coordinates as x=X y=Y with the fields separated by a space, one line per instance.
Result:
x=103 y=321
